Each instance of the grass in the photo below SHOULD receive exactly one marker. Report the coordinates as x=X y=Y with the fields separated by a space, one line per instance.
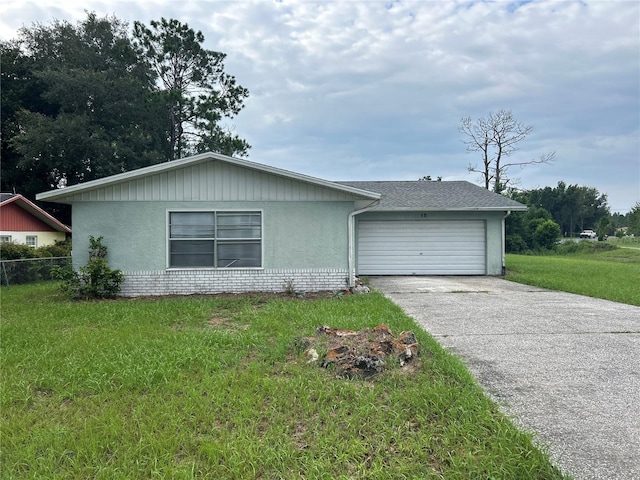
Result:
x=590 y=269
x=212 y=387
x=633 y=242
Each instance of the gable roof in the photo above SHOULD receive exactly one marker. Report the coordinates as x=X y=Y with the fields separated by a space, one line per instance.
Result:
x=391 y=195
x=34 y=210
x=429 y=195
x=62 y=195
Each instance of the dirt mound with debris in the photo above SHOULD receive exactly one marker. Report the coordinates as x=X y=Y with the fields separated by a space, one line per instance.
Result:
x=359 y=354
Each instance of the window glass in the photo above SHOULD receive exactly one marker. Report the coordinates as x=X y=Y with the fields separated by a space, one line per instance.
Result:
x=192 y=253
x=239 y=225
x=32 y=241
x=192 y=224
x=240 y=254
x=5 y=238
x=215 y=239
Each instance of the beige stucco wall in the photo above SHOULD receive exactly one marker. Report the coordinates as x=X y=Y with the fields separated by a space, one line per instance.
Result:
x=44 y=238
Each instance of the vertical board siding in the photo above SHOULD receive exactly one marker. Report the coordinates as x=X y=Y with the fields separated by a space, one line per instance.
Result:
x=14 y=218
x=213 y=181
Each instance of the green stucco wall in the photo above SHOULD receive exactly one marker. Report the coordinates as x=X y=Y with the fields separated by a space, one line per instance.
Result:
x=296 y=234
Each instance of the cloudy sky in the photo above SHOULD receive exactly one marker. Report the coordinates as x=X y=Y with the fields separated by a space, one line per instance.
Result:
x=369 y=90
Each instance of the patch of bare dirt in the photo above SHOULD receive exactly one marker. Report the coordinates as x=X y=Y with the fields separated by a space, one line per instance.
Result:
x=217 y=321
x=360 y=354
x=262 y=296
x=226 y=323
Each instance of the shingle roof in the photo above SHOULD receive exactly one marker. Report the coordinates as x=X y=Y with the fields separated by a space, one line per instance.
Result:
x=429 y=195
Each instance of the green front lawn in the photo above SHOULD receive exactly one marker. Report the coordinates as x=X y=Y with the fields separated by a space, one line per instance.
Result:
x=213 y=387
x=610 y=274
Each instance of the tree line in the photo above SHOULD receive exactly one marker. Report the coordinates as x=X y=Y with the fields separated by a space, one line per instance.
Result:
x=564 y=211
x=84 y=101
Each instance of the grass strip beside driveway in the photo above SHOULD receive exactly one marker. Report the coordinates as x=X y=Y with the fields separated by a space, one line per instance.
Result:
x=612 y=275
x=212 y=387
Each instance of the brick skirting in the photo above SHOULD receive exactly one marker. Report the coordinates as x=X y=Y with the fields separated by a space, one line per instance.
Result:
x=184 y=282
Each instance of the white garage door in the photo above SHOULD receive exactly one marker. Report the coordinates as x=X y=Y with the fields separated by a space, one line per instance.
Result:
x=430 y=247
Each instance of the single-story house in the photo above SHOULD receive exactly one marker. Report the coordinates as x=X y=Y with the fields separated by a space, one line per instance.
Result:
x=211 y=223
x=22 y=221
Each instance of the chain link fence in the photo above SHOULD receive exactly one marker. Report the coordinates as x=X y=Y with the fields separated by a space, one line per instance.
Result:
x=29 y=270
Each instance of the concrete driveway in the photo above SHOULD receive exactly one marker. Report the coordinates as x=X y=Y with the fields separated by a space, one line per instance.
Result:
x=566 y=367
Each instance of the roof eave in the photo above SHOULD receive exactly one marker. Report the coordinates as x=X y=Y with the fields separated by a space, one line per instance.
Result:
x=453 y=209
x=9 y=200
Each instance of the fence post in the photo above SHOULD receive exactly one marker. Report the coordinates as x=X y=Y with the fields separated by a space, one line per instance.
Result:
x=6 y=278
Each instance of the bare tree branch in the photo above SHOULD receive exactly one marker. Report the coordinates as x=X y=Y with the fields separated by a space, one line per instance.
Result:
x=496 y=137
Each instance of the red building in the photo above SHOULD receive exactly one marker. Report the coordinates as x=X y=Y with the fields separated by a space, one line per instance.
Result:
x=22 y=221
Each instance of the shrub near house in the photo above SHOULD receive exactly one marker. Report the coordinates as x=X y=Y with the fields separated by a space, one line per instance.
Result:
x=95 y=279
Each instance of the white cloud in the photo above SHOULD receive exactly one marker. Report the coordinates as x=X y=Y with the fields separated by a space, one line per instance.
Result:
x=369 y=89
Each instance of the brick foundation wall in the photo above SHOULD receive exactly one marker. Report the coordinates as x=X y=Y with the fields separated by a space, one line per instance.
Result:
x=184 y=282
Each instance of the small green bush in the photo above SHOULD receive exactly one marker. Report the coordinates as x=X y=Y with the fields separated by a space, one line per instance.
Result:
x=582 y=247
x=568 y=247
x=58 y=249
x=95 y=279
x=15 y=251
x=546 y=234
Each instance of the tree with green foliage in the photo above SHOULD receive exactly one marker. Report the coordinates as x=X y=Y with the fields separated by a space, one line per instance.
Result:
x=618 y=220
x=634 y=220
x=194 y=87
x=604 y=228
x=546 y=234
x=573 y=207
x=21 y=91
x=520 y=229
x=88 y=100
x=90 y=115
x=497 y=136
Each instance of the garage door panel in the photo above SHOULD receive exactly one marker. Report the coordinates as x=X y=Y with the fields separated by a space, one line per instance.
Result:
x=421 y=247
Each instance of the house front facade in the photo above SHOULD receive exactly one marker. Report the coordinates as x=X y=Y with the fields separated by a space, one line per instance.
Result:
x=211 y=223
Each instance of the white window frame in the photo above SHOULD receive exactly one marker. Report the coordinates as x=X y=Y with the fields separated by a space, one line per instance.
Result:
x=34 y=240
x=5 y=238
x=215 y=239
